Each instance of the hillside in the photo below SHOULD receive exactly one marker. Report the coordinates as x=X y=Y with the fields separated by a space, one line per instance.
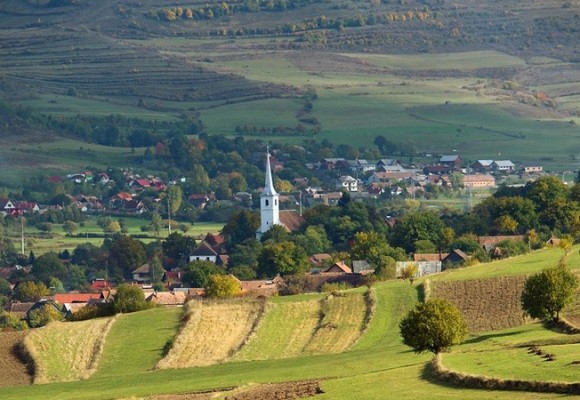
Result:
x=377 y=360
x=472 y=76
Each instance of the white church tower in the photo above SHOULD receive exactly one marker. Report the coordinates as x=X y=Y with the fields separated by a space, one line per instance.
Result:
x=269 y=203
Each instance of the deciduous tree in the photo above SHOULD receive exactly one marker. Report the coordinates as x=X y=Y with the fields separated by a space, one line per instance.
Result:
x=433 y=326
x=546 y=293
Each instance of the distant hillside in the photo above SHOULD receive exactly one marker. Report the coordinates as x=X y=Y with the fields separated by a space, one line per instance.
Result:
x=406 y=67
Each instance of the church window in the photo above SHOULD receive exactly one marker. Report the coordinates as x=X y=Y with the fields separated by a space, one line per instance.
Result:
x=266 y=202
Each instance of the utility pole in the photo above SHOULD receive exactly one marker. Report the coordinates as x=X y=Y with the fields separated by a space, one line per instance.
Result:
x=168 y=214
x=22 y=233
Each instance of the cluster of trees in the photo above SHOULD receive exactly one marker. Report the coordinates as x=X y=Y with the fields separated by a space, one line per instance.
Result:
x=298 y=130
x=223 y=9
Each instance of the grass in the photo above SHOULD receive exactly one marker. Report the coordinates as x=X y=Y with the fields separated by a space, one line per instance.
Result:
x=521 y=265
x=291 y=323
x=377 y=364
x=213 y=332
x=504 y=355
x=57 y=240
x=341 y=324
x=67 y=351
x=135 y=342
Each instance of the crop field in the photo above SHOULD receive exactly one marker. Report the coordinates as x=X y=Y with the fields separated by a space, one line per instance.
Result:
x=67 y=351
x=213 y=332
x=487 y=304
x=340 y=326
x=13 y=371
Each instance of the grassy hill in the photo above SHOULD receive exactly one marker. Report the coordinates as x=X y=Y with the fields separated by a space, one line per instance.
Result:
x=479 y=78
x=377 y=361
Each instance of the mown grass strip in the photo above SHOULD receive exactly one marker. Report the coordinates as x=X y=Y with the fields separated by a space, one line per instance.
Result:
x=67 y=351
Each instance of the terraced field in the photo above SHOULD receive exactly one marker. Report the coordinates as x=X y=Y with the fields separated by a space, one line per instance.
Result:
x=67 y=351
x=213 y=332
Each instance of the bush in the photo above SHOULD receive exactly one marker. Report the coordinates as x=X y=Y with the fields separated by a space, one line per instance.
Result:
x=334 y=287
x=129 y=299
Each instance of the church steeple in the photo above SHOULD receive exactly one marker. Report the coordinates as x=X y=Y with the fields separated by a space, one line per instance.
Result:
x=269 y=202
x=269 y=184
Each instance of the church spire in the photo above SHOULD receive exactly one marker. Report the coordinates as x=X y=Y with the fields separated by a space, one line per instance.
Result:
x=269 y=184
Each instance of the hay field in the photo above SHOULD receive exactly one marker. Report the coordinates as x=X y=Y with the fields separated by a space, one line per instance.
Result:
x=13 y=371
x=67 y=351
x=213 y=332
x=486 y=304
x=289 y=323
x=341 y=324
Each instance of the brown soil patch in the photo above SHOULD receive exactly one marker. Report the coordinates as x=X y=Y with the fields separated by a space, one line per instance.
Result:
x=13 y=371
x=273 y=391
x=486 y=304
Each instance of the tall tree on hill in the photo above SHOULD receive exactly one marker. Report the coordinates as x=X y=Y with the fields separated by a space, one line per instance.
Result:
x=177 y=248
x=284 y=258
x=546 y=293
x=125 y=255
x=433 y=326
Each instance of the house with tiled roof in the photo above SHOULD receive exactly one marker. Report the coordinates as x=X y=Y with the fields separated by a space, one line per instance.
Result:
x=168 y=299
x=482 y=165
x=7 y=207
x=429 y=256
x=142 y=274
x=338 y=267
x=212 y=248
x=479 y=181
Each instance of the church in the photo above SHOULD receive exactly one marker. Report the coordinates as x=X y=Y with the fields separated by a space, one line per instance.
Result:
x=270 y=213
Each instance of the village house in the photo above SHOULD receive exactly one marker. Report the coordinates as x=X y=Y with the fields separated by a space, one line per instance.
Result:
x=212 y=248
x=388 y=164
x=338 y=267
x=332 y=164
x=503 y=166
x=452 y=161
x=482 y=166
x=348 y=183
x=477 y=181
x=7 y=207
x=532 y=168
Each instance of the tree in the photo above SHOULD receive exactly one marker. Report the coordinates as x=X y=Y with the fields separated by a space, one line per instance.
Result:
x=241 y=225
x=177 y=248
x=48 y=266
x=197 y=273
x=70 y=227
x=285 y=258
x=156 y=223
x=29 y=291
x=126 y=254
x=433 y=326
x=546 y=293
x=43 y=315
x=420 y=225
x=175 y=196
x=129 y=299
x=221 y=286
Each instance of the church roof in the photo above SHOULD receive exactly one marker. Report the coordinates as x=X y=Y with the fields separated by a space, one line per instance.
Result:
x=291 y=219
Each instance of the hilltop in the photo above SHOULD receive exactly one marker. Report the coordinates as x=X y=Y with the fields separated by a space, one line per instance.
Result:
x=472 y=76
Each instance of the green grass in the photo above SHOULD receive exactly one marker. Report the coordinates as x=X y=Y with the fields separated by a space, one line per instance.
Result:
x=379 y=364
x=136 y=341
x=503 y=354
x=521 y=265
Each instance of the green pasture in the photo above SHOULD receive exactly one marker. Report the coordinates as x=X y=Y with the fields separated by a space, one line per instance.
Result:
x=506 y=354
x=57 y=240
x=463 y=61
x=70 y=106
x=378 y=365
x=521 y=265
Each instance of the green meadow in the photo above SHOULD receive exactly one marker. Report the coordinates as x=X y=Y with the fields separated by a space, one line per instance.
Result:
x=376 y=367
